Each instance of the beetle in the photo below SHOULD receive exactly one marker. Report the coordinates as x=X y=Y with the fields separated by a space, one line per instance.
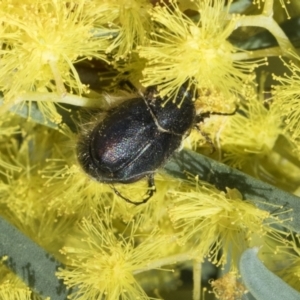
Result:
x=136 y=138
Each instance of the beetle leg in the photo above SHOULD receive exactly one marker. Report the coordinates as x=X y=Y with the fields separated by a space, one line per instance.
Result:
x=201 y=117
x=207 y=138
x=148 y=195
x=151 y=187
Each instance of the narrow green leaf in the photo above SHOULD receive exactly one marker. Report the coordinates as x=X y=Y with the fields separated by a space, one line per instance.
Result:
x=261 y=282
x=33 y=113
x=223 y=176
x=30 y=262
x=68 y=113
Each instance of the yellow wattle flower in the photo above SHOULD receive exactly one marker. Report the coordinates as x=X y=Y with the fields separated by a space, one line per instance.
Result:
x=102 y=262
x=43 y=40
x=182 y=49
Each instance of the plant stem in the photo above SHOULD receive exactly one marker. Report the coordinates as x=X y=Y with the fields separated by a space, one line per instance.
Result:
x=197 y=279
x=182 y=257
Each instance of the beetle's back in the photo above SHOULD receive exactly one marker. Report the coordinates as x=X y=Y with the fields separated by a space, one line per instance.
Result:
x=127 y=144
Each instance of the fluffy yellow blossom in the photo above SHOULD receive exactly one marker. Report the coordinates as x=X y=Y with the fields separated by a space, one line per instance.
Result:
x=251 y=133
x=23 y=183
x=11 y=287
x=23 y=192
x=182 y=49
x=287 y=98
x=71 y=191
x=41 y=42
x=208 y=221
x=129 y=21
x=103 y=262
x=9 y=127
x=286 y=263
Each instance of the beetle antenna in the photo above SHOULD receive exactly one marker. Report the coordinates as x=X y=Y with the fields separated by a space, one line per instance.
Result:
x=131 y=87
x=202 y=116
x=127 y=83
x=225 y=114
x=148 y=195
x=200 y=119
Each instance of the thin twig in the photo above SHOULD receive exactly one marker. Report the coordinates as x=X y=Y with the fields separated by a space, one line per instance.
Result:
x=197 y=267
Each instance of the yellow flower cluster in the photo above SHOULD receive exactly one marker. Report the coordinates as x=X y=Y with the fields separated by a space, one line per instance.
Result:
x=111 y=249
x=181 y=50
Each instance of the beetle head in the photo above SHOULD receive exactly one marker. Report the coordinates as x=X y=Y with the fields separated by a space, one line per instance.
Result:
x=170 y=116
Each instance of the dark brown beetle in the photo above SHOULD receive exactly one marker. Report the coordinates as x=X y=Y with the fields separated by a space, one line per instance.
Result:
x=136 y=138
